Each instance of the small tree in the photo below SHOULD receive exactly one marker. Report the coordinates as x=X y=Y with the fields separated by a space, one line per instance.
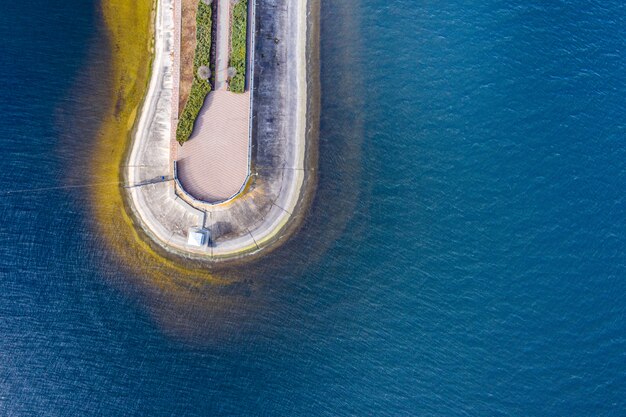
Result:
x=204 y=73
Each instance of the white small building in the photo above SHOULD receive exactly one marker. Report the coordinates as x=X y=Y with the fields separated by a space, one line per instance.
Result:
x=197 y=237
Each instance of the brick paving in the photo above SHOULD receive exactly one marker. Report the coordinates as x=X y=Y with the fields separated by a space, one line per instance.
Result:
x=213 y=164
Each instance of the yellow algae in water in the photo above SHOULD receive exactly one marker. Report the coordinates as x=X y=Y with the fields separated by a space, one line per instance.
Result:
x=131 y=37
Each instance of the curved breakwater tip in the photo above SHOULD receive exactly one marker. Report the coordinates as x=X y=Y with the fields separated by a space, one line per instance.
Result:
x=133 y=53
x=263 y=215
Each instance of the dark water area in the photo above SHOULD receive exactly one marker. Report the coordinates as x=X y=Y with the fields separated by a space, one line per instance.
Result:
x=464 y=254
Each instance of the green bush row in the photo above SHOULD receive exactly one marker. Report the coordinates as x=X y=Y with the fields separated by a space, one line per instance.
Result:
x=199 y=87
x=238 y=46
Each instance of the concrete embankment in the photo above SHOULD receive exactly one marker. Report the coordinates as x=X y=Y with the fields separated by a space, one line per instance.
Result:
x=283 y=160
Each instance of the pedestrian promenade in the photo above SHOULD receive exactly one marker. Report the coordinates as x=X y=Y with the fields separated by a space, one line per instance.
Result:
x=213 y=164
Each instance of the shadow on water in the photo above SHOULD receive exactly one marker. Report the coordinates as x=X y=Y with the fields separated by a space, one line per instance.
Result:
x=192 y=305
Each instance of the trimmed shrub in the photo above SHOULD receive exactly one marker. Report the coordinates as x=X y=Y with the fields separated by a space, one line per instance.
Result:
x=237 y=82
x=204 y=73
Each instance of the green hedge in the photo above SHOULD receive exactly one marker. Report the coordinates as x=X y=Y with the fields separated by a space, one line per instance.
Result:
x=199 y=87
x=238 y=46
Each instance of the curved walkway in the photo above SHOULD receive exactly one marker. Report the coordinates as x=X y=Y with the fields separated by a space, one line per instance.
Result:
x=213 y=164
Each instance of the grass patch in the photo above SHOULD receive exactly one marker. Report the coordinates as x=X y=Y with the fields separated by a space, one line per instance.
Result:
x=238 y=40
x=200 y=87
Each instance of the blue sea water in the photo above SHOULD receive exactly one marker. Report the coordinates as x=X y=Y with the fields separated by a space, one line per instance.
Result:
x=465 y=253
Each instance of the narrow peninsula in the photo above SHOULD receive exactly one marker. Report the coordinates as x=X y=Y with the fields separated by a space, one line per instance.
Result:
x=223 y=161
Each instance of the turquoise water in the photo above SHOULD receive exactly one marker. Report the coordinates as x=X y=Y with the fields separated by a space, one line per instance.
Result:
x=464 y=254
